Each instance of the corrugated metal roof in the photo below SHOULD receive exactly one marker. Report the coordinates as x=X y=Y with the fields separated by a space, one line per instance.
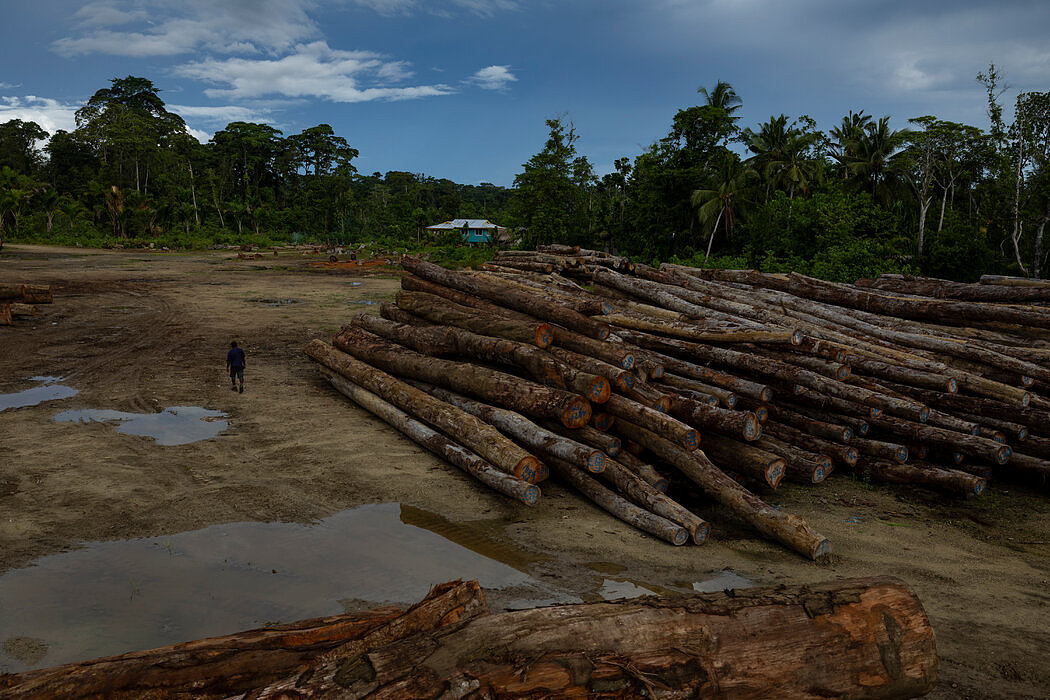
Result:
x=464 y=223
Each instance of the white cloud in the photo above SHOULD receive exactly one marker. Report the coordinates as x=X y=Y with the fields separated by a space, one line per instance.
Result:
x=311 y=70
x=493 y=77
x=50 y=114
x=221 y=115
x=172 y=29
x=482 y=8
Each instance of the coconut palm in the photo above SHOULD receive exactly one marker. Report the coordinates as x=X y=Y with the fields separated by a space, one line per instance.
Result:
x=717 y=206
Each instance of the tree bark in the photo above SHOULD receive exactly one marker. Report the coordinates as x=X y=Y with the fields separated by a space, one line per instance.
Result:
x=747 y=459
x=674 y=430
x=938 y=478
x=480 y=382
x=506 y=295
x=437 y=443
x=445 y=313
x=473 y=433
x=790 y=530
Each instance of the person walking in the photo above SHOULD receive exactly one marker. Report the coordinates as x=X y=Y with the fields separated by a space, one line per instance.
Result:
x=235 y=364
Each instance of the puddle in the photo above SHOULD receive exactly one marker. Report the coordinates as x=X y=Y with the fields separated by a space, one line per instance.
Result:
x=49 y=391
x=723 y=580
x=114 y=597
x=367 y=302
x=613 y=589
x=276 y=302
x=175 y=425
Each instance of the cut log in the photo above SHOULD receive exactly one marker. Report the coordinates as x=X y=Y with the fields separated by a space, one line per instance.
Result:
x=727 y=397
x=506 y=295
x=523 y=431
x=619 y=506
x=471 y=432
x=442 y=312
x=846 y=454
x=473 y=380
x=740 y=424
x=747 y=459
x=802 y=466
x=788 y=529
x=945 y=289
x=437 y=443
x=948 y=439
x=674 y=430
x=643 y=469
x=938 y=478
x=6 y=317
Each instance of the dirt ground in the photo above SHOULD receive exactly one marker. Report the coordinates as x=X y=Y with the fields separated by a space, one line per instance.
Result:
x=140 y=330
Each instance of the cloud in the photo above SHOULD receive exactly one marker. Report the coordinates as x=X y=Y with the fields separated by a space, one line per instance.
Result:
x=482 y=8
x=50 y=114
x=493 y=78
x=311 y=70
x=218 y=115
x=161 y=28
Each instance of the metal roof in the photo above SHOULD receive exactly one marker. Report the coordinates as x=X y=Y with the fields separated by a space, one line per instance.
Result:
x=465 y=223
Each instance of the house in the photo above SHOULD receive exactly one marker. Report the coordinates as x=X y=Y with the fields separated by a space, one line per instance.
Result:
x=474 y=230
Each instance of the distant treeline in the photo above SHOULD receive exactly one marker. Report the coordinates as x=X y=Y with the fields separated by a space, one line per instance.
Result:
x=939 y=198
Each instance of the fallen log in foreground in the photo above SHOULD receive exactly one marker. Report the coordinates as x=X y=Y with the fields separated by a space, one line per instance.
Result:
x=857 y=638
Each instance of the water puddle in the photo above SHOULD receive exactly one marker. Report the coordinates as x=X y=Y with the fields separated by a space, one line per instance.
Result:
x=724 y=580
x=614 y=589
x=366 y=302
x=175 y=425
x=276 y=302
x=48 y=391
x=112 y=597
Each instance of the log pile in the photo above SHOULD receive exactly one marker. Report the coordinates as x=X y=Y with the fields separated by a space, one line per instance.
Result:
x=20 y=300
x=858 y=638
x=621 y=379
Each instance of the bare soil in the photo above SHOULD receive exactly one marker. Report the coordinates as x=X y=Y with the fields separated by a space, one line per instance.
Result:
x=140 y=330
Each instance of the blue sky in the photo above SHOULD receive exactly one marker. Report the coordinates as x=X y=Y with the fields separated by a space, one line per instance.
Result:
x=461 y=88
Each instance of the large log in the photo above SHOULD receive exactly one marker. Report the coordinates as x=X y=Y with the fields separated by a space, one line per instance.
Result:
x=643 y=469
x=743 y=424
x=671 y=428
x=473 y=380
x=437 y=443
x=802 y=465
x=972 y=445
x=509 y=296
x=446 y=313
x=473 y=433
x=215 y=667
x=523 y=431
x=946 y=289
x=747 y=459
x=788 y=529
x=939 y=478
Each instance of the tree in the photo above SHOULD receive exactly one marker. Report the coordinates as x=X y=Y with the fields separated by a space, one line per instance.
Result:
x=553 y=190
x=719 y=204
x=18 y=149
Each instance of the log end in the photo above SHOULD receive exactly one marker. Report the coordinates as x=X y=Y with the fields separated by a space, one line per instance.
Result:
x=752 y=427
x=661 y=485
x=691 y=439
x=599 y=390
x=821 y=549
x=528 y=469
x=701 y=533
x=924 y=414
x=775 y=471
x=766 y=395
x=847 y=434
x=1022 y=434
x=596 y=462
x=850 y=456
x=797 y=338
x=1026 y=399
x=544 y=336
x=1003 y=454
x=530 y=495
x=603 y=421
x=627 y=362
x=953 y=386
x=1027 y=381
x=656 y=372
x=577 y=413
x=819 y=474
x=761 y=413
x=901 y=454
x=979 y=485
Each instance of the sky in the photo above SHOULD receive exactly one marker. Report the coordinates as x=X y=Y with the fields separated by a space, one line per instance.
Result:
x=461 y=89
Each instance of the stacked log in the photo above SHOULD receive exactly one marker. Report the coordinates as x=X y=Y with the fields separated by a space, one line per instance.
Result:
x=450 y=645
x=716 y=378
x=18 y=299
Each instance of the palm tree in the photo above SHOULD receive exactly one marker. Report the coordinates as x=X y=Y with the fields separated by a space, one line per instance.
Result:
x=866 y=151
x=783 y=155
x=718 y=204
x=722 y=96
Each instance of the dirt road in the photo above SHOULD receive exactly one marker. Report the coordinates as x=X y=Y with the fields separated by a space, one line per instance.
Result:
x=139 y=331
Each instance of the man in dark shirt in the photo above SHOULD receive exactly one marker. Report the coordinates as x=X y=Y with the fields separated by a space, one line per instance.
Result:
x=235 y=363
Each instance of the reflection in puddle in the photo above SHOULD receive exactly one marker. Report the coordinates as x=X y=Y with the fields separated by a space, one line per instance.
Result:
x=38 y=394
x=724 y=579
x=113 y=597
x=613 y=589
x=175 y=425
